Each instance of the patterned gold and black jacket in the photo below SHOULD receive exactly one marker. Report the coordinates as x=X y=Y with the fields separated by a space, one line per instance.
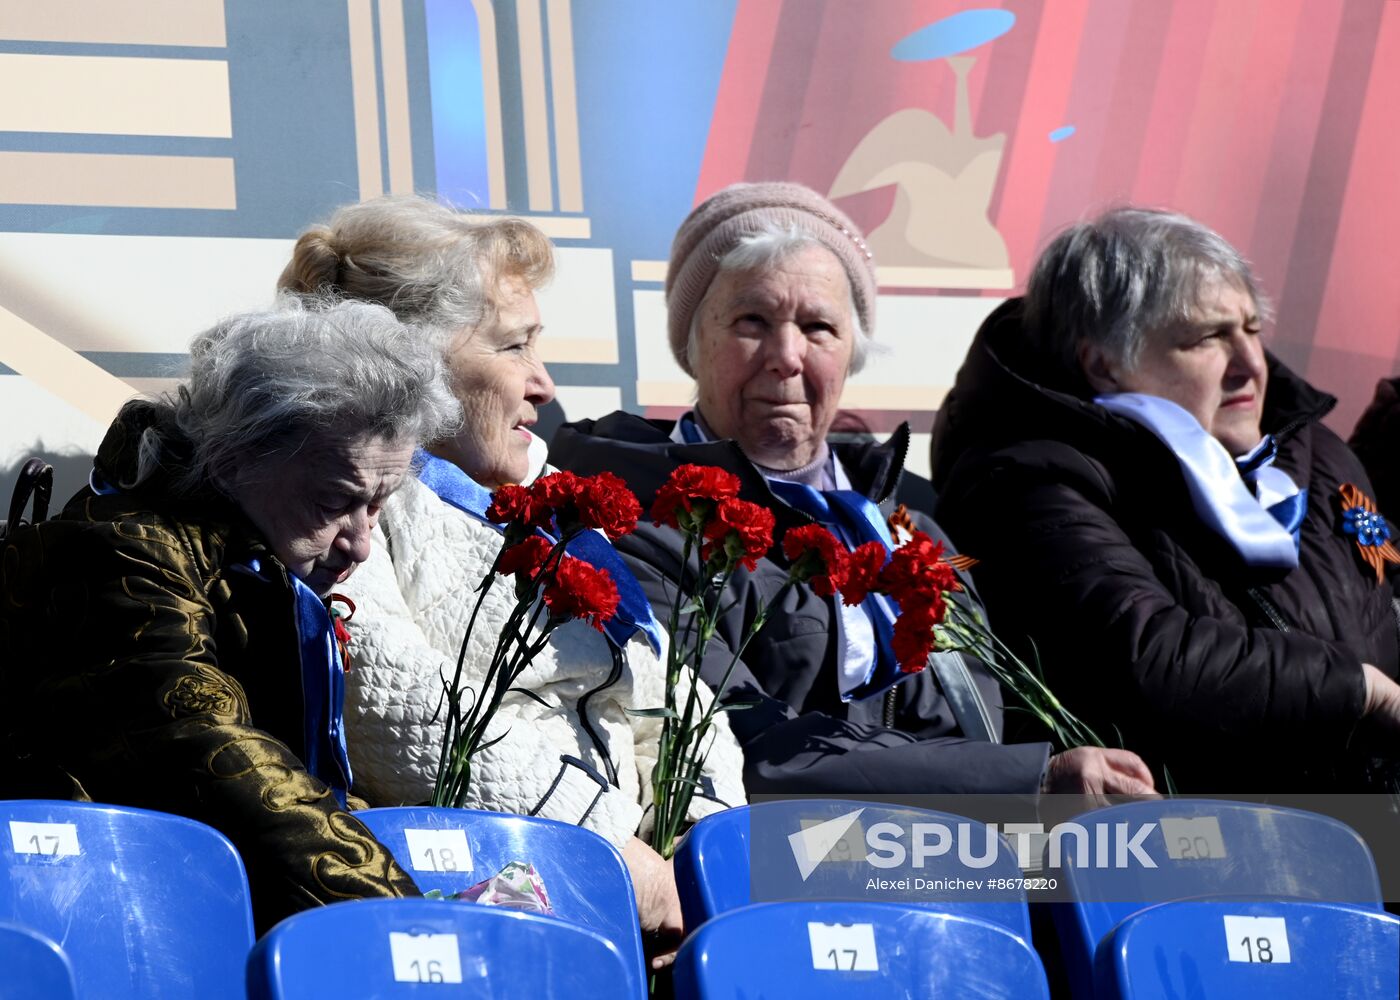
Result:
x=137 y=666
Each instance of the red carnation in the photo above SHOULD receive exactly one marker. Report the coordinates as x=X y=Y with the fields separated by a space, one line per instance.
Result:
x=605 y=502
x=863 y=571
x=511 y=503
x=578 y=590
x=555 y=490
x=687 y=484
x=917 y=574
x=913 y=639
x=525 y=557
x=818 y=557
x=743 y=531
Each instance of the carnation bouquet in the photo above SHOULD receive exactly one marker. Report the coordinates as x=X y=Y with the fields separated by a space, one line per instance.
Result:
x=933 y=617
x=721 y=533
x=551 y=587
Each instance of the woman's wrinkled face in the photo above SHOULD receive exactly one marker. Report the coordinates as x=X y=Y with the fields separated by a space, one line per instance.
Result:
x=317 y=507
x=1213 y=366
x=773 y=348
x=501 y=383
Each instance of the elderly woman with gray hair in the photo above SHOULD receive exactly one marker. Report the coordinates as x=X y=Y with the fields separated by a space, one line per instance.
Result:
x=564 y=743
x=1156 y=504
x=770 y=297
x=169 y=640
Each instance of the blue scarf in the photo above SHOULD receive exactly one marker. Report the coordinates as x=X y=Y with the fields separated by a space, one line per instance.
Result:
x=322 y=676
x=1255 y=507
x=456 y=488
x=857 y=518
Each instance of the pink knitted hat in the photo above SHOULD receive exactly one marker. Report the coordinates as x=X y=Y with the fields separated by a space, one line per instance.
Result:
x=718 y=224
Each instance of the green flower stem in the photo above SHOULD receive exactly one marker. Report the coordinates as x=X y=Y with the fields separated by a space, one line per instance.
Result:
x=463 y=735
x=969 y=634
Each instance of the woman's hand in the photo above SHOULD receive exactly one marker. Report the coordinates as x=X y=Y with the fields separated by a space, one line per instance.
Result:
x=1380 y=719
x=658 y=905
x=1098 y=771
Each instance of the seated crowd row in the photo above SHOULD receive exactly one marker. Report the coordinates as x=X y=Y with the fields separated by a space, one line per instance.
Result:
x=1151 y=499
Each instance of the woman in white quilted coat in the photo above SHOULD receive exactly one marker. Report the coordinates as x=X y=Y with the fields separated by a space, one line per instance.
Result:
x=571 y=752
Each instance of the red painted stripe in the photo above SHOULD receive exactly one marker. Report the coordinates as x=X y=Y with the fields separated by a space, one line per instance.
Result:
x=1361 y=304
x=1031 y=160
x=1169 y=117
x=1072 y=195
x=1204 y=157
x=790 y=70
x=1331 y=159
x=1008 y=71
x=1279 y=186
x=1236 y=205
x=736 y=104
x=1140 y=68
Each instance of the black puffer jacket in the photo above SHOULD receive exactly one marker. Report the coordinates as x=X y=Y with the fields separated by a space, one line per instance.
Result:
x=1236 y=679
x=801 y=738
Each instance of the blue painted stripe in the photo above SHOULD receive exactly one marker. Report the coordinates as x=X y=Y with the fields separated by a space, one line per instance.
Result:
x=458 y=103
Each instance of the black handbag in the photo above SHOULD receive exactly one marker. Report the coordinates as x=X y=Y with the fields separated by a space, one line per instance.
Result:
x=35 y=484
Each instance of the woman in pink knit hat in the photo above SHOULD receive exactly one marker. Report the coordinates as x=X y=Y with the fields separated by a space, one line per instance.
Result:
x=770 y=299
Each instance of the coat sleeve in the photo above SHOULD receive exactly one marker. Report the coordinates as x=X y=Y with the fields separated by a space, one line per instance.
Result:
x=395 y=730
x=134 y=697
x=819 y=753
x=1111 y=634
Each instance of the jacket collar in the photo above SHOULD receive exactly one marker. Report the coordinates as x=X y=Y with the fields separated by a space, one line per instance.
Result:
x=642 y=452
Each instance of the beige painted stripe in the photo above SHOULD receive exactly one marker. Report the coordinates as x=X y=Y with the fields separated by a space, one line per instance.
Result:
x=393 y=55
x=653 y=393
x=65 y=373
x=561 y=71
x=855 y=397
x=893 y=397
x=137 y=96
x=115 y=22
x=491 y=97
x=648 y=270
x=117 y=180
x=554 y=226
x=944 y=277
x=578 y=350
x=364 y=89
x=538 y=174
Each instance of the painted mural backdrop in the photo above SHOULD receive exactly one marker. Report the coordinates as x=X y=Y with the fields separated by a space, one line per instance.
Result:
x=157 y=158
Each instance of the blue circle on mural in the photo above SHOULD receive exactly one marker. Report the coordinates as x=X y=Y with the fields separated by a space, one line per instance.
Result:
x=1062 y=133
x=956 y=33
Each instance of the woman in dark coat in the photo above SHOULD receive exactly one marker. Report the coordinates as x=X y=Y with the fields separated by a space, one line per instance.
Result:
x=1159 y=510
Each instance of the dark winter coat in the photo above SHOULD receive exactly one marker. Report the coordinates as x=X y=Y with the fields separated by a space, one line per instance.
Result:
x=801 y=737
x=1145 y=621
x=1376 y=441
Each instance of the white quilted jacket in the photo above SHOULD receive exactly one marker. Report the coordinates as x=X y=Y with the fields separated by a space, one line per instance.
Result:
x=413 y=599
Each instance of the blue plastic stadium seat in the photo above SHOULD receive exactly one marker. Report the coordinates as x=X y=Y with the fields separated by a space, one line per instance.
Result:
x=585 y=876
x=387 y=948
x=713 y=863
x=144 y=904
x=1203 y=848
x=850 y=951
x=32 y=967
x=1285 y=950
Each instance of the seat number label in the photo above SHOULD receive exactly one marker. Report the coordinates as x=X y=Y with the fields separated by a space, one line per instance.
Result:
x=438 y=850
x=51 y=839
x=425 y=958
x=843 y=947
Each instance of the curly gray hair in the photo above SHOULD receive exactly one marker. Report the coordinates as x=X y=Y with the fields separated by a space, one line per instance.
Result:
x=1113 y=280
x=262 y=383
